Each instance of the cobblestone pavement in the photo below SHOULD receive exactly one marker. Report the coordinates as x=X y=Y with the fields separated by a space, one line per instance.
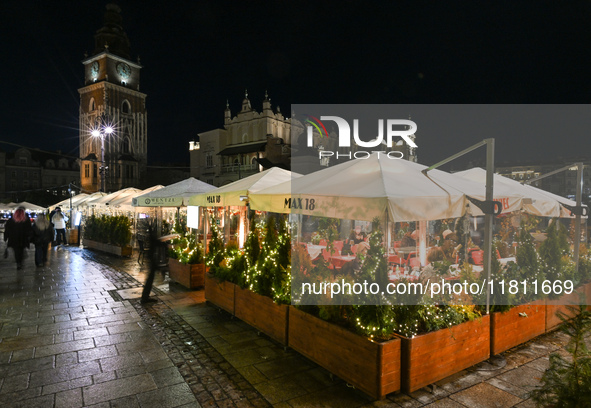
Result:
x=74 y=334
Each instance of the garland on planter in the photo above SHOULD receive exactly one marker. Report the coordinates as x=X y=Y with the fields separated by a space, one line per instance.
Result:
x=263 y=266
x=186 y=248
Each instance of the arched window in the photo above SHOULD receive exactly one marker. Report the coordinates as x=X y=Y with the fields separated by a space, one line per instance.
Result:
x=125 y=146
x=245 y=138
x=126 y=107
x=91 y=105
x=253 y=160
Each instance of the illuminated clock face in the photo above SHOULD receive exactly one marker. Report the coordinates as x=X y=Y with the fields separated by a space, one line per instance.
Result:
x=123 y=70
x=94 y=68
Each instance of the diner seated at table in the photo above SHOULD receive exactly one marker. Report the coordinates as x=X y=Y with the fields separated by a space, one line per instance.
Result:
x=409 y=239
x=352 y=268
x=357 y=236
x=435 y=254
x=347 y=244
x=451 y=245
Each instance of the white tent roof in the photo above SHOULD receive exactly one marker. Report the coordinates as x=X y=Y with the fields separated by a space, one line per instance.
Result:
x=229 y=195
x=535 y=201
x=105 y=200
x=66 y=203
x=124 y=203
x=88 y=200
x=174 y=195
x=5 y=207
x=28 y=206
x=363 y=189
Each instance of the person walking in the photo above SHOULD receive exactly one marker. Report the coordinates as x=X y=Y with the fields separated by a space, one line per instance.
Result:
x=42 y=237
x=17 y=234
x=59 y=220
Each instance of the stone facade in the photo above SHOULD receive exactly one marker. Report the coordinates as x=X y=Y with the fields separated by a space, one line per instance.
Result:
x=249 y=142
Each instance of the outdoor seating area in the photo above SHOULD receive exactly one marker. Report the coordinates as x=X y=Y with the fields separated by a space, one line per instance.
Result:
x=432 y=230
x=278 y=250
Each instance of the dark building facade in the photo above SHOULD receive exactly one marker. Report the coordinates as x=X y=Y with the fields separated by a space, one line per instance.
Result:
x=39 y=177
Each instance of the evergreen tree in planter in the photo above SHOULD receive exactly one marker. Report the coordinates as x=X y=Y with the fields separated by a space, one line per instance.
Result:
x=529 y=265
x=215 y=253
x=281 y=285
x=252 y=249
x=567 y=382
x=555 y=251
x=267 y=263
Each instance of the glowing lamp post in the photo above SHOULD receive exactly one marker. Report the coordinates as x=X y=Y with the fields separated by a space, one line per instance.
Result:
x=101 y=131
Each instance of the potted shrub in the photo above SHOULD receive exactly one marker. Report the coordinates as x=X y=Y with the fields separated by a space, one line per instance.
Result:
x=347 y=340
x=511 y=326
x=219 y=285
x=109 y=234
x=260 y=300
x=185 y=262
x=567 y=381
x=371 y=366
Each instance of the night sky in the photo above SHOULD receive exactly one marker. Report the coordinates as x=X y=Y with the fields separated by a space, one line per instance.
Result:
x=198 y=54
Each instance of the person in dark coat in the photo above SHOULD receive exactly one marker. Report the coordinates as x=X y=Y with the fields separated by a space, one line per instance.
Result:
x=42 y=237
x=17 y=234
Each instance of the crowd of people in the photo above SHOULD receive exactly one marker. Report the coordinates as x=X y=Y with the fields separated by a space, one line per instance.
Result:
x=20 y=232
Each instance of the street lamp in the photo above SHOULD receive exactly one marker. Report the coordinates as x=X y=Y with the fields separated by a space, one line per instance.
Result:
x=103 y=129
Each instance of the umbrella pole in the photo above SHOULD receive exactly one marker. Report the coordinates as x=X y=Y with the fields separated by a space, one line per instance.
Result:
x=488 y=217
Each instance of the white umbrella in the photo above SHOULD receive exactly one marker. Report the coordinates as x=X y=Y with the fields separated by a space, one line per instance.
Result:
x=533 y=200
x=174 y=195
x=235 y=194
x=363 y=189
x=125 y=203
x=87 y=201
x=103 y=202
x=66 y=203
x=29 y=207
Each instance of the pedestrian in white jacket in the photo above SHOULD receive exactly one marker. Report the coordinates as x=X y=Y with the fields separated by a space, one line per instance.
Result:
x=59 y=224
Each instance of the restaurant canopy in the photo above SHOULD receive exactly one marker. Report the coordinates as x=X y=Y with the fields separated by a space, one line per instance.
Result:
x=363 y=189
x=235 y=194
x=87 y=201
x=125 y=203
x=534 y=200
x=104 y=202
x=29 y=207
x=77 y=199
x=174 y=195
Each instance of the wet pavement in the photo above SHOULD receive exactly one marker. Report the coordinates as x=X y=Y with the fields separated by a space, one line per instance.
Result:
x=74 y=334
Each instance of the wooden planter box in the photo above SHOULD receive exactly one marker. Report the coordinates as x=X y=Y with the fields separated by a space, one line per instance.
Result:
x=189 y=275
x=262 y=313
x=561 y=305
x=72 y=236
x=112 y=249
x=430 y=357
x=372 y=367
x=220 y=293
x=516 y=326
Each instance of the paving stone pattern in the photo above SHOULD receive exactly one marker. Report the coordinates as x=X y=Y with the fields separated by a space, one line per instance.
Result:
x=74 y=334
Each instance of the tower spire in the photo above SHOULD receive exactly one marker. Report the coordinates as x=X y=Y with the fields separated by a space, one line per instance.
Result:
x=112 y=34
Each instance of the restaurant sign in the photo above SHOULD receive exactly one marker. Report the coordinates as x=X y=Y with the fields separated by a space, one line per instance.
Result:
x=158 y=202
